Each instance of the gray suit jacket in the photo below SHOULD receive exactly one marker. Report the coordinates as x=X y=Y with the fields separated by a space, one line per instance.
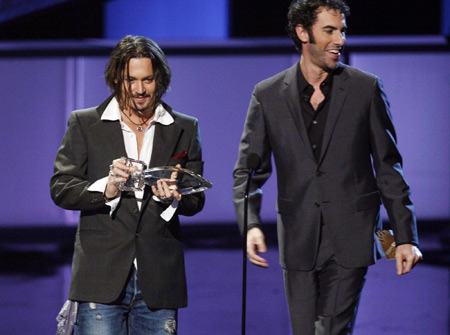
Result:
x=105 y=246
x=359 y=166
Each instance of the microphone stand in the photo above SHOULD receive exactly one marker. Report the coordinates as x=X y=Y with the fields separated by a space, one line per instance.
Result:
x=244 y=249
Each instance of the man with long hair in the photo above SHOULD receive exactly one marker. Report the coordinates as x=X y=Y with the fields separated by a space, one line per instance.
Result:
x=128 y=273
x=329 y=128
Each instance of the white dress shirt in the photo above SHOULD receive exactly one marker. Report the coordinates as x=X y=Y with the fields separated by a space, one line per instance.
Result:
x=112 y=113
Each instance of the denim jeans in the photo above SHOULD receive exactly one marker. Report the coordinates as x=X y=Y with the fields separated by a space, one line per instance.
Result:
x=131 y=316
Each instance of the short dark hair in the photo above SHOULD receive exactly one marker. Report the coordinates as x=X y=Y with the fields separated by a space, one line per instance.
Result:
x=137 y=47
x=304 y=12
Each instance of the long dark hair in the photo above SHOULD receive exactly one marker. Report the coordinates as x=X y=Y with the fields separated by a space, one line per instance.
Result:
x=304 y=12
x=136 y=47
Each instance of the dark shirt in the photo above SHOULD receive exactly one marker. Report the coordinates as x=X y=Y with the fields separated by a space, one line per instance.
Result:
x=314 y=119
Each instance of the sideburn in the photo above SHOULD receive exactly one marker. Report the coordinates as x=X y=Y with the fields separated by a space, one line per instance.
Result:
x=312 y=40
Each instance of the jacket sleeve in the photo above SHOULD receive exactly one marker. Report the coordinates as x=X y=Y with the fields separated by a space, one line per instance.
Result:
x=254 y=140
x=69 y=184
x=387 y=163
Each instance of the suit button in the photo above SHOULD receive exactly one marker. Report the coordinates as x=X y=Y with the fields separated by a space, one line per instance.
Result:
x=317 y=204
x=135 y=210
x=319 y=173
x=137 y=235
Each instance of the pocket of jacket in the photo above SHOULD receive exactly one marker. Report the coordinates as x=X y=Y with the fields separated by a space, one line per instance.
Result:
x=173 y=162
x=195 y=166
x=285 y=206
x=368 y=201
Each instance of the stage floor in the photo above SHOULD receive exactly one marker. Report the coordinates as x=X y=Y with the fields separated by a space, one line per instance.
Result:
x=34 y=284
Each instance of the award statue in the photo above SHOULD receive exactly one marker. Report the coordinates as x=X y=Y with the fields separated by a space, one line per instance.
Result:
x=183 y=180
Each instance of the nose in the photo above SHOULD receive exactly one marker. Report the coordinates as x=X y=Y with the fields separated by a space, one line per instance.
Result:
x=140 y=87
x=339 y=38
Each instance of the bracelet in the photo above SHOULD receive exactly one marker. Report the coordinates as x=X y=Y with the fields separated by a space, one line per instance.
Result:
x=106 y=199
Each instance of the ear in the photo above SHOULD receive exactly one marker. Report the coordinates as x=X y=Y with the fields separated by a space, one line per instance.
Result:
x=302 y=34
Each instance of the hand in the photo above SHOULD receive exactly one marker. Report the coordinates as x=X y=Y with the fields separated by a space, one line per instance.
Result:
x=406 y=257
x=118 y=173
x=255 y=245
x=166 y=191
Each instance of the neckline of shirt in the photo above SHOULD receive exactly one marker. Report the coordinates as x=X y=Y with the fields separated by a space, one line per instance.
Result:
x=112 y=113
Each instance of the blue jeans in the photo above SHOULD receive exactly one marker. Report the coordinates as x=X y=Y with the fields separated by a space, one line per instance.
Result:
x=131 y=316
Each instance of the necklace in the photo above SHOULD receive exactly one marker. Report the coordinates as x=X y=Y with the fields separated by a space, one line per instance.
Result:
x=138 y=125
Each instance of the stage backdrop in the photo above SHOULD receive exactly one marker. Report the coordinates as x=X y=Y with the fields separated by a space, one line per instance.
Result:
x=37 y=93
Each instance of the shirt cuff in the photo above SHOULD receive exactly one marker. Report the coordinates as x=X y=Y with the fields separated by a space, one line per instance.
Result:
x=415 y=244
x=100 y=186
x=169 y=212
x=254 y=225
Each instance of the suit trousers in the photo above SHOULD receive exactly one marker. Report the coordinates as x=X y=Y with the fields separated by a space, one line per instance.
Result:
x=324 y=301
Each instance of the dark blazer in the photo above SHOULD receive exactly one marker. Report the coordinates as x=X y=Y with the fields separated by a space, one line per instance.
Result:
x=106 y=246
x=359 y=167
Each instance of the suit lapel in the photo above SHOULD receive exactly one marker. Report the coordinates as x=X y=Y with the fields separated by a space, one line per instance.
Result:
x=338 y=94
x=109 y=133
x=291 y=93
x=164 y=143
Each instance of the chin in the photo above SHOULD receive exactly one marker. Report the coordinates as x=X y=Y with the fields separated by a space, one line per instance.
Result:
x=335 y=63
x=142 y=107
x=332 y=66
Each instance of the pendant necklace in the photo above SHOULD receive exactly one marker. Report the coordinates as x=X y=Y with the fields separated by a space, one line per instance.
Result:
x=138 y=125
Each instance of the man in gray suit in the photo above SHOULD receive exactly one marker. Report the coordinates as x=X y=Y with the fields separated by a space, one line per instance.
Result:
x=329 y=128
x=128 y=266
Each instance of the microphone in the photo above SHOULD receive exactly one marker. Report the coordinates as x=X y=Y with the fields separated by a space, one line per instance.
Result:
x=253 y=161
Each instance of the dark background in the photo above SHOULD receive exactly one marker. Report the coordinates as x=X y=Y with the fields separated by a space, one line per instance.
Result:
x=249 y=18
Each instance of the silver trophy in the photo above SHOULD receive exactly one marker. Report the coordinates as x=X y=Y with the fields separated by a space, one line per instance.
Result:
x=183 y=180
x=134 y=181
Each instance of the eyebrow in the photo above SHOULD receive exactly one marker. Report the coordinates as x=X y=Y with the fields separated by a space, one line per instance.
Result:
x=148 y=77
x=344 y=28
